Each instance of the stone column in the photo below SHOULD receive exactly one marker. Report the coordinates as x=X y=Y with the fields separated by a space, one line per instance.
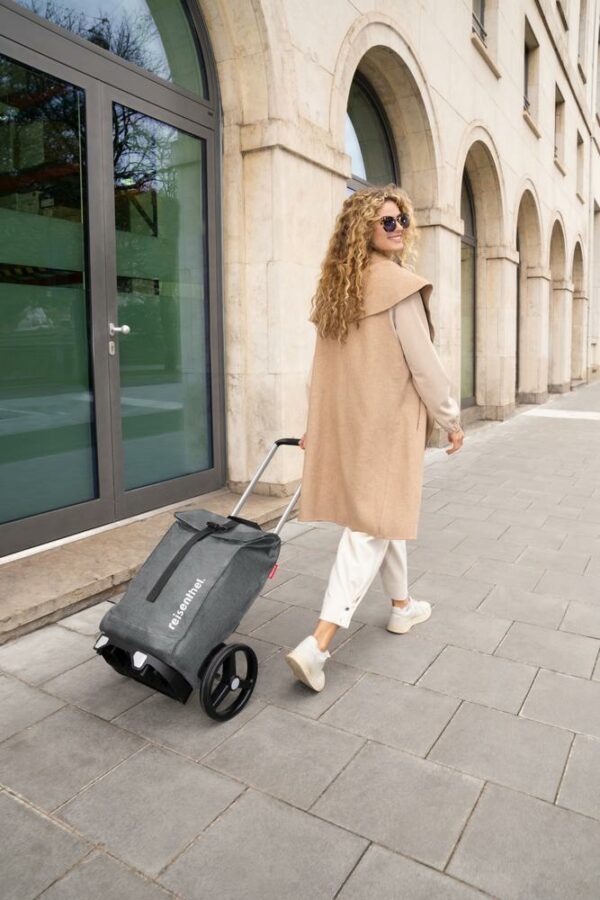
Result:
x=533 y=331
x=561 y=308
x=439 y=261
x=496 y=331
x=579 y=341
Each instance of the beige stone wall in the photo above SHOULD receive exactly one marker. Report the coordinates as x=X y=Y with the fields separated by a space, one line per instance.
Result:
x=285 y=69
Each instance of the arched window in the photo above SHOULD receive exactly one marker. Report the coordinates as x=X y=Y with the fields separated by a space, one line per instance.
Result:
x=156 y=36
x=468 y=285
x=368 y=139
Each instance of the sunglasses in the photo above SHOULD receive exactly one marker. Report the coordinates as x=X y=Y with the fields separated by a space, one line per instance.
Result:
x=389 y=222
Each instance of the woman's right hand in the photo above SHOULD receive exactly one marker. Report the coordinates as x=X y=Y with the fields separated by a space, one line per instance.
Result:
x=456 y=438
x=303 y=441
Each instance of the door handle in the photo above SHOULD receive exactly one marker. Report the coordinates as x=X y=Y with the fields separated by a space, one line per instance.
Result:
x=118 y=329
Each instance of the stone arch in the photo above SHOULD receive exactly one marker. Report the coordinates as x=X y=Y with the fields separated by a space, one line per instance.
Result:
x=495 y=300
x=579 y=315
x=375 y=47
x=532 y=280
x=560 y=311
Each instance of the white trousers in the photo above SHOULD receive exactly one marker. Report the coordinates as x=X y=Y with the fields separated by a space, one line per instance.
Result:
x=359 y=557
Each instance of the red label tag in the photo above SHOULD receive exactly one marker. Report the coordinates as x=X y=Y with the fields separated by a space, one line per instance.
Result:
x=273 y=570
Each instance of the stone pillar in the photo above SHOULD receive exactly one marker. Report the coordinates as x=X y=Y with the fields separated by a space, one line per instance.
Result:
x=579 y=341
x=533 y=337
x=439 y=261
x=561 y=308
x=496 y=331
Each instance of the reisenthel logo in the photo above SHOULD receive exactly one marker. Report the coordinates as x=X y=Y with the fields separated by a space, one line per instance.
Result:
x=179 y=612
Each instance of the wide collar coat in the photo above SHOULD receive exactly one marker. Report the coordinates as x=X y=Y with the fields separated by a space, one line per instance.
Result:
x=367 y=426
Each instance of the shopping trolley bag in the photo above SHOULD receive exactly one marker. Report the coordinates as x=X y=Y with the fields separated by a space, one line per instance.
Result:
x=169 y=628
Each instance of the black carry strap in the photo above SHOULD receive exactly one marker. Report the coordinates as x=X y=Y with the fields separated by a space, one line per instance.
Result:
x=197 y=536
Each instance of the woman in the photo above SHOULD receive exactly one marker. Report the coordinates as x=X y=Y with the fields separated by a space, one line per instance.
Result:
x=377 y=387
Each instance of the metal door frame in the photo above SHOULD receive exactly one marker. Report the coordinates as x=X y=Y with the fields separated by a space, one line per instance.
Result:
x=39 y=45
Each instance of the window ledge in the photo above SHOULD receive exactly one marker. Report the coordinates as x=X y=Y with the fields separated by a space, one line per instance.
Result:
x=598 y=117
x=531 y=123
x=485 y=54
x=559 y=166
x=580 y=197
x=581 y=70
x=562 y=15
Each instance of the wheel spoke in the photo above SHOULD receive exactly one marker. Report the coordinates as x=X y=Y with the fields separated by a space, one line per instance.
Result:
x=220 y=692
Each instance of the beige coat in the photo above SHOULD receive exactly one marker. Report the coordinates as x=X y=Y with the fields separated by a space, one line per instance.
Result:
x=370 y=414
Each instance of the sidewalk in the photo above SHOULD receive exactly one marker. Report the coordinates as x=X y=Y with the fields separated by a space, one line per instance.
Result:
x=459 y=761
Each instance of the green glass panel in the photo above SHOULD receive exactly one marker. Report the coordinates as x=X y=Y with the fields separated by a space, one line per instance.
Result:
x=153 y=34
x=47 y=447
x=467 y=284
x=160 y=216
x=367 y=142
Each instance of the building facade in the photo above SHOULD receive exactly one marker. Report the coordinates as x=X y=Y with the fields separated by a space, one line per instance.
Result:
x=170 y=171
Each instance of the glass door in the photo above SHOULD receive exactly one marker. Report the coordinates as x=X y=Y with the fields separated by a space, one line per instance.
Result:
x=159 y=331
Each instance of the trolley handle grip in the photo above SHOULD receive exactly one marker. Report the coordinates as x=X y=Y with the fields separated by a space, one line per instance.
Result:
x=294 y=442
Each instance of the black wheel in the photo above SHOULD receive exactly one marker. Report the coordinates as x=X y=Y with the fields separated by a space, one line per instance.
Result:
x=228 y=679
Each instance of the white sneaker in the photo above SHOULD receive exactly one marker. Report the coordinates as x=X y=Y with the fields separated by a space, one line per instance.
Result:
x=403 y=618
x=306 y=662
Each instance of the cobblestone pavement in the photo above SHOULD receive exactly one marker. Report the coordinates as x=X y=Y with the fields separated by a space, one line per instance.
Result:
x=460 y=760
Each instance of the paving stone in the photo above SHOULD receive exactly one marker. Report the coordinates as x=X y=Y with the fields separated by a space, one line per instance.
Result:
x=509 y=602
x=565 y=527
x=400 y=715
x=464 y=628
x=403 y=656
x=472 y=527
x=405 y=803
x=184 y=728
x=126 y=809
x=389 y=876
x=489 y=680
x=497 y=572
x=444 y=540
x=97 y=688
x=509 y=551
x=464 y=593
x=307 y=561
x=451 y=563
x=88 y=620
x=529 y=518
x=515 y=846
x=300 y=590
x=555 y=560
x=277 y=684
x=472 y=740
x=22 y=705
x=101 y=876
x=285 y=755
x=263 y=649
x=317 y=539
x=467 y=511
x=566 y=701
x=262 y=610
x=557 y=650
x=262 y=848
x=580 y=787
x=570 y=587
x=34 y=851
x=294 y=624
x=532 y=537
x=39 y=656
x=50 y=761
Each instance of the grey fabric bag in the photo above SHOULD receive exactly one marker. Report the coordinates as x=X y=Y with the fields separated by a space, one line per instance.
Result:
x=193 y=590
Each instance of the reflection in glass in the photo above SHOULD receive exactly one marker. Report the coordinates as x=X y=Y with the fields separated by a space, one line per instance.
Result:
x=467 y=332
x=47 y=449
x=160 y=217
x=367 y=142
x=153 y=34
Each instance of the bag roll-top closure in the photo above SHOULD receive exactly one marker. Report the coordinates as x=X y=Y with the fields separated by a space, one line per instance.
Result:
x=199 y=519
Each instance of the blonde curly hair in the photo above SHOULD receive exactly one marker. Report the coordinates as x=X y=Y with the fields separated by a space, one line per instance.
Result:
x=338 y=300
